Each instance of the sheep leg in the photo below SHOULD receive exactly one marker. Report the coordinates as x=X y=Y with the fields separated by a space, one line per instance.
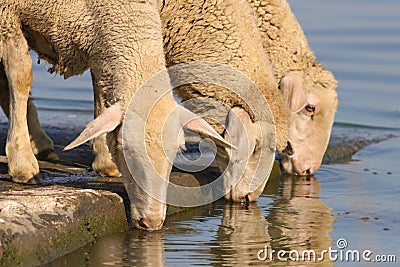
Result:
x=103 y=163
x=22 y=164
x=41 y=144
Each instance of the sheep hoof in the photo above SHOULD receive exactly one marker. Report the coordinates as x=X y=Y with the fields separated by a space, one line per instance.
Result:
x=109 y=172
x=106 y=170
x=27 y=180
x=104 y=166
x=22 y=165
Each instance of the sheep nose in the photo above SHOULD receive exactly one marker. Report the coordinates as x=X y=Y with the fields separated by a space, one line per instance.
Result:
x=251 y=198
x=305 y=172
x=149 y=224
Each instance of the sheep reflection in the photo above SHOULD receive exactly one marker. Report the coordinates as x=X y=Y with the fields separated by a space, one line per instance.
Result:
x=297 y=220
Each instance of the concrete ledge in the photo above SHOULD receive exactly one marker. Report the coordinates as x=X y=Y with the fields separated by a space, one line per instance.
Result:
x=40 y=224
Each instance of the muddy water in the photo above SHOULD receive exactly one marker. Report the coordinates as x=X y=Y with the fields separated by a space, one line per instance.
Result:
x=351 y=205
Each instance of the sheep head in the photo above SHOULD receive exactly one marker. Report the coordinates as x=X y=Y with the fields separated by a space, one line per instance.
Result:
x=244 y=176
x=143 y=139
x=312 y=115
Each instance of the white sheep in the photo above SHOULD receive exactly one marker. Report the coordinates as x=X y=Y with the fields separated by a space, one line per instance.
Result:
x=223 y=33
x=309 y=88
x=121 y=43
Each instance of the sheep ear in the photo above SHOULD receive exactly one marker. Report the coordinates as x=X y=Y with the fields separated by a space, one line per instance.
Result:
x=292 y=90
x=104 y=123
x=194 y=123
x=241 y=131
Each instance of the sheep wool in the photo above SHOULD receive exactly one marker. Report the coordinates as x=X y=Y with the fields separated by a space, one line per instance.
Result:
x=286 y=44
x=222 y=32
x=73 y=36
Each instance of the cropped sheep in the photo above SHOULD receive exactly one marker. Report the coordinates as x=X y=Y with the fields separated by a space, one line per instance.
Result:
x=121 y=43
x=308 y=87
x=223 y=33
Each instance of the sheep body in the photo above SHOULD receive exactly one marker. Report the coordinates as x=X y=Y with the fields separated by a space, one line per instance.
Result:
x=78 y=39
x=210 y=36
x=218 y=31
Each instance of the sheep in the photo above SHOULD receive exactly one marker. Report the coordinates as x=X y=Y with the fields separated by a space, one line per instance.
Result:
x=308 y=87
x=223 y=33
x=121 y=43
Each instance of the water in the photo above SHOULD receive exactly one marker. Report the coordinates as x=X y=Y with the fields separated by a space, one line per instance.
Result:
x=356 y=201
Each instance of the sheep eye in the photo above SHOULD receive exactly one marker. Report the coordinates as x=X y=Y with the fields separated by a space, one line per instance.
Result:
x=310 y=108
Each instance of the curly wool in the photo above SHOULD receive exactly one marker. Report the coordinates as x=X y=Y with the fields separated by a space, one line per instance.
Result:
x=222 y=32
x=74 y=36
x=287 y=46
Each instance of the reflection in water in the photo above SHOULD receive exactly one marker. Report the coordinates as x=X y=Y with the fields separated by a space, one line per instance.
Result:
x=299 y=219
x=142 y=249
x=289 y=216
x=243 y=232
x=133 y=248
